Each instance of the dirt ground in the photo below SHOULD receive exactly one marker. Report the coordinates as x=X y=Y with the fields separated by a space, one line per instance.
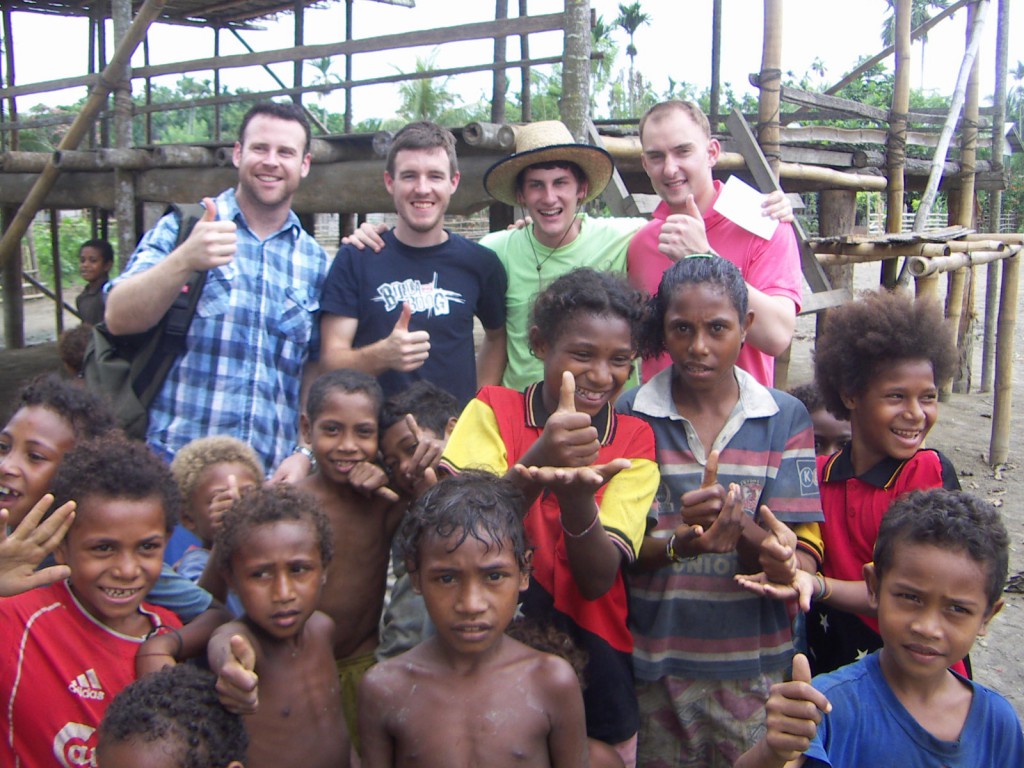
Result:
x=962 y=433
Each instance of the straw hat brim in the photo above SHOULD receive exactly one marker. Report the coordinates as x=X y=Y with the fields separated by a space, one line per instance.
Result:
x=596 y=163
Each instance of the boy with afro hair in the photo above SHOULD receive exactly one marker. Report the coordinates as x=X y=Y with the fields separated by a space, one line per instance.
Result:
x=879 y=365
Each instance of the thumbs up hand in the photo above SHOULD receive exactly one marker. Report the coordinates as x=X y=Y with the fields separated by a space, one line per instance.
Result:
x=406 y=350
x=237 y=681
x=703 y=505
x=793 y=712
x=683 y=233
x=211 y=244
x=568 y=439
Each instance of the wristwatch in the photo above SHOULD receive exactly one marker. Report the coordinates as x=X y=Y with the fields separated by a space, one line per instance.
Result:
x=307 y=452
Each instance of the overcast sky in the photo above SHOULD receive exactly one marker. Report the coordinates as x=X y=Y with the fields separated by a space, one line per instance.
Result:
x=677 y=43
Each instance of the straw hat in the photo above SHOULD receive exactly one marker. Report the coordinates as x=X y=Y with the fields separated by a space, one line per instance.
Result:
x=545 y=142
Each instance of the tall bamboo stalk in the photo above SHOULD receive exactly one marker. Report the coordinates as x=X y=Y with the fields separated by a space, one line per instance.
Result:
x=988 y=348
x=896 y=145
x=956 y=104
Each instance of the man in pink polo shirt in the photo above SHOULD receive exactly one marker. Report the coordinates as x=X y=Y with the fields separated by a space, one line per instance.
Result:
x=678 y=155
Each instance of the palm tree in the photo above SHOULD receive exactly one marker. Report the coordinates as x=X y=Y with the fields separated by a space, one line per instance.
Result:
x=323 y=77
x=601 y=68
x=424 y=98
x=919 y=14
x=630 y=19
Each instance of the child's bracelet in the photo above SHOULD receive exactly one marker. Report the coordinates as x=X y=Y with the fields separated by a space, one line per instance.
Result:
x=593 y=524
x=672 y=555
x=163 y=629
x=824 y=590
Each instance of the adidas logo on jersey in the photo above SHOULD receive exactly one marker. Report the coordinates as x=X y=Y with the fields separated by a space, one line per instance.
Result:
x=87 y=686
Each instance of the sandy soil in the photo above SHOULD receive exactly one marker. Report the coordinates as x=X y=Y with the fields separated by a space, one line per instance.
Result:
x=962 y=433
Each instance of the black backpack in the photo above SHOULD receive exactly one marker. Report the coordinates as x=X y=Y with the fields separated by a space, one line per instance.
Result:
x=129 y=370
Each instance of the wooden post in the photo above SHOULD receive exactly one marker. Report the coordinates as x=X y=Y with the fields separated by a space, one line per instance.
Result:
x=14 y=301
x=500 y=78
x=896 y=146
x=58 y=288
x=988 y=348
x=927 y=287
x=999 y=446
x=124 y=180
x=961 y=383
x=216 y=85
x=574 y=107
x=769 y=84
x=298 y=9
x=525 y=96
x=348 y=68
x=716 y=64
x=837 y=212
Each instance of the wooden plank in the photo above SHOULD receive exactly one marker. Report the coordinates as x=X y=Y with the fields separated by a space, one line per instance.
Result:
x=420 y=38
x=487 y=29
x=808 y=99
x=820 y=301
x=767 y=182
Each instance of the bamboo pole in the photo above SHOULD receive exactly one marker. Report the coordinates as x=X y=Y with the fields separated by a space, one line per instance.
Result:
x=33 y=202
x=927 y=288
x=1002 y=407
x=861 y=252
x=526 y=77
x=124 y=180
x=965 y=218
x=959 y=94
x=58 y=287
x=988 y=347
x=896 y=145
x=954 y=310
x=922 y=267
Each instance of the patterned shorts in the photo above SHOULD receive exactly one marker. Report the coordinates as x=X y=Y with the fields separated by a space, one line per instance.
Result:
x=700 y=723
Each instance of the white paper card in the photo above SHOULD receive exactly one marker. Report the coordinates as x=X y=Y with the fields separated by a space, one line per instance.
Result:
x=741 y=203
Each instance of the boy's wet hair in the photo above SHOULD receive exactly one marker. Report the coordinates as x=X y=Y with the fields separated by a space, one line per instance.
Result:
x=103 y=247
x=422 y=135
x=878 y=330
x=585 y=291
x=810 y=396
x=700 y=269
x=265 y=505
x=193 y=459
x=472 y=503
x=952 y=520
x=88 y=415
x=116 y=468
x=280 y=110
x=177 y=705
x=431 y=406
x=344 y=380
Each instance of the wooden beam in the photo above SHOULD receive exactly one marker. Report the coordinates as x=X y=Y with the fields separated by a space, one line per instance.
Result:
x=808 y=99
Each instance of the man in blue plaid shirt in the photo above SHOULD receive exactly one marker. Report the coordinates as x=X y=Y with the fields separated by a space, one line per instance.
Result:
x=253 y=330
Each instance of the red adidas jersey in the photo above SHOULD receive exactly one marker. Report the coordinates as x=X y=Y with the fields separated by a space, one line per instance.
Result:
x=59 y=669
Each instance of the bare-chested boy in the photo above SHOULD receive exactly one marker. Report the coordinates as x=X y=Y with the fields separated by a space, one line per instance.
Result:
x=470 y=695
x=274 y=548
x=340 y=423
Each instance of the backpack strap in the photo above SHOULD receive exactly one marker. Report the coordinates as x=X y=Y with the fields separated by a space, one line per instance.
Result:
x=149 y=370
